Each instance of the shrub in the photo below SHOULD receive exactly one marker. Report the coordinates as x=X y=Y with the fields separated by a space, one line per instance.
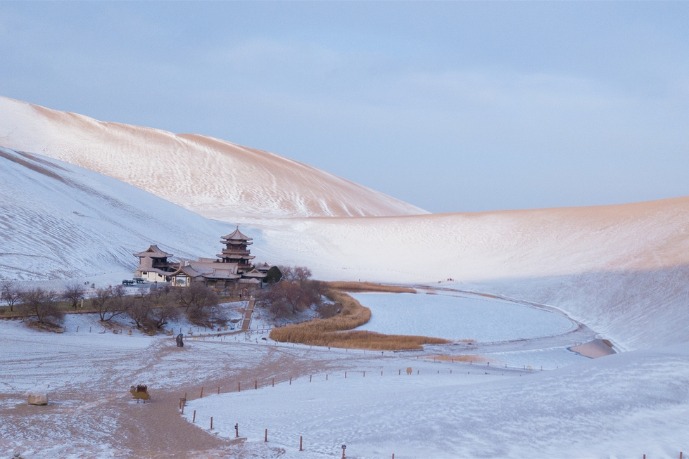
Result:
x=295 y=292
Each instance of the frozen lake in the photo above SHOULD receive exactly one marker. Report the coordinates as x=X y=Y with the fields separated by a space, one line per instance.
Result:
x=456 y=317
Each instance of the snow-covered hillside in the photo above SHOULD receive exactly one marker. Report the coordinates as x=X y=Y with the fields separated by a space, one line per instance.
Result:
x=215 y=178
x=63 y=222
x=623 y=270
x=620 y=269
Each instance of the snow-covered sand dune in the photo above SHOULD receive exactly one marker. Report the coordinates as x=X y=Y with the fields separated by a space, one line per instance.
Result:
x=63 y=222
x=213 y=177
x=617 y=268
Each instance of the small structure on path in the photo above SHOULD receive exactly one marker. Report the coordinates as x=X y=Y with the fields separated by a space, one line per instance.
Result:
x=180 y=340
x=37 y=398
x=140 y=392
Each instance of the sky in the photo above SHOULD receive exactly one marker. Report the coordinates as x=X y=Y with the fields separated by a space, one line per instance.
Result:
x=451 y=106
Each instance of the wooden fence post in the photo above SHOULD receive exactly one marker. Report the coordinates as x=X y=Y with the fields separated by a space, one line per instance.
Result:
x=193 y=418
x=265 y=438
x=255 y=384
x=211 y=422
x=201 y=392
x=301 y=443
x=239 y=386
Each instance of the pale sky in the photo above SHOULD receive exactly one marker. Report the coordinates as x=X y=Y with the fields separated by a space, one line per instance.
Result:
x=451 y=106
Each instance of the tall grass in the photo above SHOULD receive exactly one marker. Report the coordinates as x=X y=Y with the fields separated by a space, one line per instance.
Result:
x=337 y=331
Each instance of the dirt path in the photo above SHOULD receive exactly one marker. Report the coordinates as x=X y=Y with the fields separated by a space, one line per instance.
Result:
x=99 y=418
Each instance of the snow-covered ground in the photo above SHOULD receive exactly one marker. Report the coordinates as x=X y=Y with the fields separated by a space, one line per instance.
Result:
x=619 y=270
x=618 y=406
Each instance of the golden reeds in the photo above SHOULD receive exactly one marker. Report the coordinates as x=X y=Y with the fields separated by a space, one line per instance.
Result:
x=337 y=331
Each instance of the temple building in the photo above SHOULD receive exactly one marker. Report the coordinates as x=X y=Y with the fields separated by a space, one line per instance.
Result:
x=236 y=250
x=232 y=269
x=154 y=265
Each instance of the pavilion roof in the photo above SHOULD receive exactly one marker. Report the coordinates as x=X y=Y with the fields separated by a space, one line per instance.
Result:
x=236 y=235
x=153 y=251
x=254 y=273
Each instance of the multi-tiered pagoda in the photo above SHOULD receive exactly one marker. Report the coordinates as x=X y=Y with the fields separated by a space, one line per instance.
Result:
x=236 y=250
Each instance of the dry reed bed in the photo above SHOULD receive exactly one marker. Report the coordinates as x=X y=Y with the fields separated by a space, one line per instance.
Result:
x=368 y=287
x=338 y=331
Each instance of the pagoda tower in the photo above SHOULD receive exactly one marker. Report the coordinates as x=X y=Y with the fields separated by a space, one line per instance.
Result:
x=236 y=250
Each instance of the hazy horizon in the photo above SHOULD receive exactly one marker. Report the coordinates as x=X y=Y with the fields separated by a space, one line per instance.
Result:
x=452 y=107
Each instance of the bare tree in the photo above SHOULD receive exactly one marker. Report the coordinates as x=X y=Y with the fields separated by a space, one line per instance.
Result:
x=73 y=293
x=163 y=307
x=110 y=302
x=139 y=309
x=10 y=294
x=161 y=315
x=42 y=304
x=197 y=300
x=153 y=310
